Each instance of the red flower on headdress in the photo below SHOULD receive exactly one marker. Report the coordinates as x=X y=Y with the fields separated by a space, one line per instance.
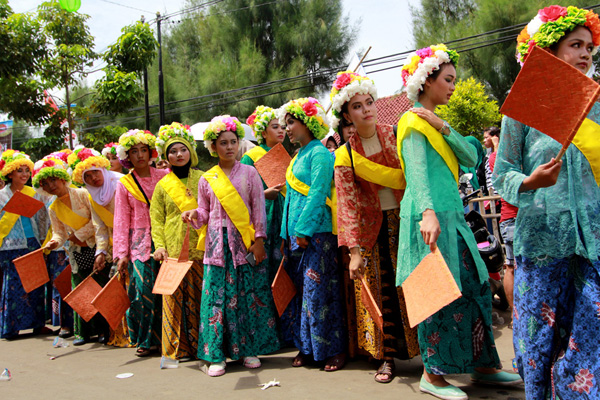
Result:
x=2 y=164
x=342 y=81
x=552 y=13
x=84 y=154
x=310 y=108
x=251 y=119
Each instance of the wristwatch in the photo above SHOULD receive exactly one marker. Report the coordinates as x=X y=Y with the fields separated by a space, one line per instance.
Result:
x=445 y=129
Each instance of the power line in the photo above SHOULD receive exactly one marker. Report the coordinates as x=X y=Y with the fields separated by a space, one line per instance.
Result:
x=123 y=5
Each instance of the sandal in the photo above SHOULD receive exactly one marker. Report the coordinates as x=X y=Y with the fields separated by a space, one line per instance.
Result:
x=335 y=363
x=216 y=369
x=300 y=360
x=252 y=362
x=65 y=333
x=142 y=352
x=386 y=368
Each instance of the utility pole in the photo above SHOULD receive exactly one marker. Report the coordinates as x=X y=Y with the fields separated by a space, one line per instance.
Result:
x=146 y=103
x=161 y=88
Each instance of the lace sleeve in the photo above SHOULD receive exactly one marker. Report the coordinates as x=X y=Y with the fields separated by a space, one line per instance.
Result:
x=122 y=222
x=417 y=178
x=257 y=203
x=508 y=171
x=158 y=217
x=464 y=151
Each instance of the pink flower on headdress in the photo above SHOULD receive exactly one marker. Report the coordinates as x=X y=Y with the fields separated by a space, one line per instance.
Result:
x=342 y=81
x=84 y=154
x=48 y=163
x=310 y=108
x=230 y=124
x=552 y=13
x=424 y=53
x=251 y=119
x=405 y=76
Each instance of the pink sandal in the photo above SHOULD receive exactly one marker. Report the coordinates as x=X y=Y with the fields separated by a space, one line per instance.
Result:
x=252 y=362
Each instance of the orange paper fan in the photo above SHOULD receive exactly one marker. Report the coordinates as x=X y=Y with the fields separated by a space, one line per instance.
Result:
x=283 y=289
x=32 y=270
x=80 y=298
x=62 y=283
x=370 y=304
x=23 y=205
x=112 y=302
x=273 y=165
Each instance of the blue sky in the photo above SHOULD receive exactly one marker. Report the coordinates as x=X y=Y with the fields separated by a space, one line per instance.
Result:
x=385 y=25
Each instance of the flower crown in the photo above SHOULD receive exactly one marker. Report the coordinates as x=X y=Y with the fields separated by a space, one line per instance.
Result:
x=551 y=24
x=61 y=154
x=260 y=120
x=310 y=112
x=48 y=167
x=218 y=124
x=13 y=159
x=110 y=148
x=421 y=64
x=175 y=130
x=83 y=159
x=347 y=85
x=130 y=139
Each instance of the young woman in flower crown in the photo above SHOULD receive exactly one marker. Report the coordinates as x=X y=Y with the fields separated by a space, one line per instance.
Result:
x=110 y=152
x=458 y=338
x=132 y=240
x=237 y=315
x=268 y=131
x=18 y=236
x=92 y=170
x=71 y=217
x=313 y=321
x=557 y=232
x=175 y=193
x=369 y=218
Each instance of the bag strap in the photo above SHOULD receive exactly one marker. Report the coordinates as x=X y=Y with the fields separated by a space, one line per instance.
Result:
x=140 y=187
x=185 y=250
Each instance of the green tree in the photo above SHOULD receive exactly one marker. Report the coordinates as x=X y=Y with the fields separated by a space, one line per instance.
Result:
x=239 y=43
x=98 y=138
x=470 y=110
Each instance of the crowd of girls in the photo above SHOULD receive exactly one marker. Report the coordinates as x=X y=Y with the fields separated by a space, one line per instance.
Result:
x=361 y=220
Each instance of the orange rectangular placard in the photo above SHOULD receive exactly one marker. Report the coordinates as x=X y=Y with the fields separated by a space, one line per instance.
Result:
x=23 y=205
x=32 y=270
x=370 y=304
x=80 y=298
x=283 y=289
x=273 y=165
x=62 y=283
x=429 y=288
x=170 y=276
x=551 y=96
x=112 y=302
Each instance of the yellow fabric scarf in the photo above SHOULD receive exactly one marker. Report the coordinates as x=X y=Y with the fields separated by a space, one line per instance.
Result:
x=132 y=187
x=256 y=153
x=368 y=170
x=303 y=189
x=68 y=216
x=9 y=219
x=179 y=193
x=233 y=204
x=412 y=121
x=587 y=141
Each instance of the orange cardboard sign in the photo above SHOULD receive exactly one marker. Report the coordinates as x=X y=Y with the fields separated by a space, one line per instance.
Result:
x=170 y=276
x=283 y=289
x=23 y=205
x=112 y=302
x=62 y=283
x=551 y=96
x=273 y=165
x=370 y=304
x=80 y=298
x=429 y=288
x=32 y=270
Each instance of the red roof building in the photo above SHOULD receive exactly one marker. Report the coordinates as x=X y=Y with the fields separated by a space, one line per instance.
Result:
x=391 y=108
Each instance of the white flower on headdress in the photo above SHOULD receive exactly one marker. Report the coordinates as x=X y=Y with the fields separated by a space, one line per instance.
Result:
x=358 y=85
x=534 y=25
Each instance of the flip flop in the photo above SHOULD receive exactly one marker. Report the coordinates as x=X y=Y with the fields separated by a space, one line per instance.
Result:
x=300 y=360
x=335 y=363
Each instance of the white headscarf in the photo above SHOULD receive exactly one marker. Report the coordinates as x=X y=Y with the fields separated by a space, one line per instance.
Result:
x=105 y=193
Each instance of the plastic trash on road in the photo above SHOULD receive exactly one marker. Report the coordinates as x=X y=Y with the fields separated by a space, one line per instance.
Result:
x=5 y=375
x=269 y=384
x=168 y=363
x=60 y=342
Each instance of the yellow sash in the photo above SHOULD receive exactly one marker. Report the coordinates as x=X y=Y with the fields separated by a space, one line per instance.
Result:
x=587 y=141
x=132 y=187
x=411 y=120
x=178 y=192
x=233 y=204
x=256 y=153
x=68 y=216
x=48 y=237
x=303 y=189
x=106 y=216
x=9 y=219
x=368 y=170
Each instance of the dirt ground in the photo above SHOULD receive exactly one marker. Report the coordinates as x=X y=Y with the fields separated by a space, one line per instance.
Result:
x=89 y=372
